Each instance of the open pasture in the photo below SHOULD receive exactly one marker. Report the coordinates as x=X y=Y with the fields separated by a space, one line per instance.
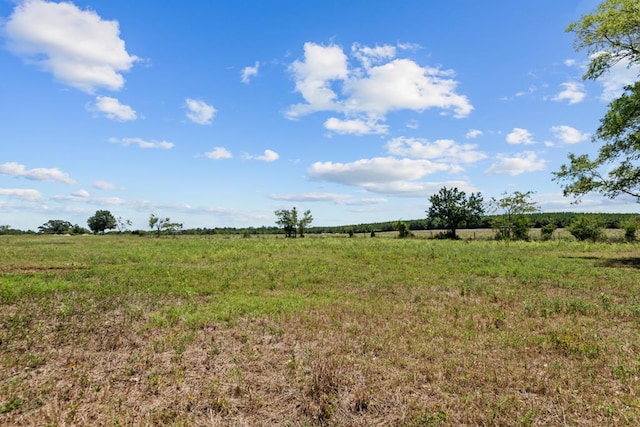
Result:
x=123 y=330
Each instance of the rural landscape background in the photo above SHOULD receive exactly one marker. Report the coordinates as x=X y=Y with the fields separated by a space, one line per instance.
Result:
x=396 y=268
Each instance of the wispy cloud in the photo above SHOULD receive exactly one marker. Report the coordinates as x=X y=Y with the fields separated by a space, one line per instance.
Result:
x=527 y=161
x=249 y=72
x=218 y=153
x=21 y=193
x=15 y=169
x=141 y=143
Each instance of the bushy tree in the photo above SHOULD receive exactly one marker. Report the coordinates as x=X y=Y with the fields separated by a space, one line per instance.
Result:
x=630 y=227
x=56 y=226
x=452 y=209
x=403 y=229
x=611 y=35
x=289 y=221
x=587 y=227
x=513 y=223
x=102 y=220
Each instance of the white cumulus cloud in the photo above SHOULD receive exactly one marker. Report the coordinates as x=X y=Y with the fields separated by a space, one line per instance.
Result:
x=520 y=136
x=383 y=84
x=569 y=135
x=15 y=169
x=141 y=143
x=114 y=110
x=573 y=92
x=218 y=153
x=443 y=149
x=268 y=156
x=517 y=164
x=199 y=111
x=77 y=46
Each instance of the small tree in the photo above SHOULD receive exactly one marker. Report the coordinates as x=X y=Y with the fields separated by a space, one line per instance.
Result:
x=172 y=228
x=587 y=227
x=306 y=219
x=287 y=219
x=102 y=220
x=158 y=223
x=513 y=224
x=122 y=225
x=403 y=229
x=452 y=208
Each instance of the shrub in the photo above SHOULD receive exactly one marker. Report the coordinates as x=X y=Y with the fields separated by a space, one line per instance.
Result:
x=587 y=228
x=546 y=232
x=630 y=227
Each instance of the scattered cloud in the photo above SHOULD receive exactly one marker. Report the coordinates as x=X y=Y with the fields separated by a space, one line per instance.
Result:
x=77 y=46
x=218 y=153
x=620 y=75
x=113 y=109
x=20 y=193
x=355 y=127
x=335 y=198
x=141 y=143
x=519 y=136
x=366 y=94
x=267 y=156
x=569 y=135
x=200 y=112
x=515 y=165
x=249 y=72
x=104 y=185
x=443 y=149
x=474 y=133
x=38 y=174
x=385 y=175
x=574 y=92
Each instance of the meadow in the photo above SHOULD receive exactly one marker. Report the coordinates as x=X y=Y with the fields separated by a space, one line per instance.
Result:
x=212 y=331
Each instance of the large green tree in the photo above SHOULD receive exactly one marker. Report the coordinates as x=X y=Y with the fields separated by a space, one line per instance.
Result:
x=452 y=208
x=102 y=220
x=610 y=35
x=56 y=226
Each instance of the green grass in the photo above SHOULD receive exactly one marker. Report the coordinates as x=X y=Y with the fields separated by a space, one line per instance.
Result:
x=117 y=330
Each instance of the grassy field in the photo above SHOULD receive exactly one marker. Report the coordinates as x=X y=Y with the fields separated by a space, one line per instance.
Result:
x=123 y=330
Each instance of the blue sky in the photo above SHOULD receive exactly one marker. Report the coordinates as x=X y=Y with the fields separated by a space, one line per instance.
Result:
x=218 y=113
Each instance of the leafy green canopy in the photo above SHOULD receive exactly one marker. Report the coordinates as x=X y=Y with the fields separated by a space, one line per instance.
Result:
x=452 y=208
x=611 y=34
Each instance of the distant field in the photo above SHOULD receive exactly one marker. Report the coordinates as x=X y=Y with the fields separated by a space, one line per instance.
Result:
x=124 y=330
